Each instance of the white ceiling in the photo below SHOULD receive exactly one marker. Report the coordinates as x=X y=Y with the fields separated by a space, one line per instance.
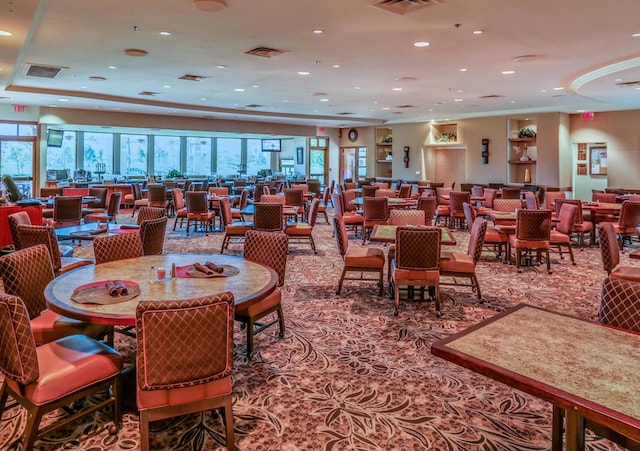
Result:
x=583 y=46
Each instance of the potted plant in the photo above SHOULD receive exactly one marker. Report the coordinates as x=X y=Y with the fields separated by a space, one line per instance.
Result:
x=174 y=174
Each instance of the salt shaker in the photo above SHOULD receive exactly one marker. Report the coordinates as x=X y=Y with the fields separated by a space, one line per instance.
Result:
x=152 y=274
x=173 y=271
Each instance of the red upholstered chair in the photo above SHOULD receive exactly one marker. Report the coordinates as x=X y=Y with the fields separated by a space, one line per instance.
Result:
x=407 y=217
x=628 y=222
x=138 y=200
x=219 y=191
x=232 y=229
x=267 y=217
x=181 y=209
x=147 y=213
x=303 y=231
x=489 y=197
x=26 y=273
x=326 y=199
x=67 y=211
x=510 y=193
x=99 y=205
x=456 y=212
x=152 y=233
x=495 y=240
x=533 y=230
x=295 y=198
x=135 y=194
x=21 y=217
x=455 y=266
x=620 y=304
x=350 y=219
x=405 y=191
x=369 y=191
x=117 y=247
x=416 y=261
x=375 y=212
x=172 y=382
x=442 y=210
x=381 y=185
x=531 y=201
x=111 y=213
x=360 y=260
x=198 y=211
x=386 y=192
x=580 y=227
x=610 y=253
x=561 y=236
x=32 y=235
x=550 y=199
x=347 y=197
x=49 y=377
x=268 y=249
x=428 y=205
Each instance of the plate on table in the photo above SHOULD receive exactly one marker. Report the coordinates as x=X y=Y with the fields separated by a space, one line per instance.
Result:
x=97 y=293
x=227 y=271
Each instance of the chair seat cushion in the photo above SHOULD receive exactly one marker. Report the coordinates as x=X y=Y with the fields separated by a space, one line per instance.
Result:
x=627 y=273
x=298 y=228
x=495 y=236
x=50 y=326
x=406 y=275
x=443 y=210
x=350 y=219
x=584 y=226
x=254 y=308
x=141 y=202
x=527 y=244
x=69 y=364
x=238 y=228
x=151 y=399
x=559 y=238
x=454 y=262
x=370 y=257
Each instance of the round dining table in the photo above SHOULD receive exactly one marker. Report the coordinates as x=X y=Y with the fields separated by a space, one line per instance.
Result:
x=250 y=283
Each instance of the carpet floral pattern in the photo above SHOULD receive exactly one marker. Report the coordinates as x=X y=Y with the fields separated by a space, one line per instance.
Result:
x=348 y=375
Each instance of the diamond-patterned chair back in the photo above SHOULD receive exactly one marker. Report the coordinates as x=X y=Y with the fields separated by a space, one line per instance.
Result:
x=347 y=197
x=510 y=193
x=340 y=232
x=609 y=250
x=418 y=248
x=386 y=193
x=531 y=201
x=350 y=186
x=273 y=199
x=26 y=273
x=117 y=247
x=629 y=214
x=369 y=191
x=197 y=202
x=67 y=209
x=533 y=225
x=507 y=205
x=15 y=219
x=608 y=198
x=336 y=200
x=428 y=205
x=470 y=213
x=567 y=215
x=294 y=197
x=32 y=235
x=225 y=211
x=375 y=208
x=19 y=360
x=405 y=191
x=457 y=198
x=219 y=191
x=489 y=197
x=267 y=217
x=152 y=233
x=268 y=249
x=620 y=304
x=406 y=217
x=165 y=329
x=381 y=185
x=326 y=196
x=244 y=196
x=157 y=195
x=313 y=211
x=101 y=194
x=476 y=238
x=147 y=213
x=550 y=199
x=577 y=202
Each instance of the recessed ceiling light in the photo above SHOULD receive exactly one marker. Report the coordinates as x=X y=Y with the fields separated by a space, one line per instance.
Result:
x=543 y=90
x=203 y=98
x=255 y=86
x=304 y=72
x=113 y=67
x=166 y=86
x=386 y=108
x=324 y=100
x=579 y=111
x=63 y=100
x=460 y=91
x=356 y=87
x=421 y=44
x=636 y=35
x=512 y=101
x=83 y=87
x=457 y=100
x=165 y=33
x=318 y=31
x=221 y=66
x=619 y=80
x=559 y=88
x=397 y=89
x=508 y=72
x=5 y=33
x=336 y=66
x=239 y=90
x=463 y=69
x=478 y=31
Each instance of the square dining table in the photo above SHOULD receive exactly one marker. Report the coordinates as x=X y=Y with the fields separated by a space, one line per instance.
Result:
x=386 y=233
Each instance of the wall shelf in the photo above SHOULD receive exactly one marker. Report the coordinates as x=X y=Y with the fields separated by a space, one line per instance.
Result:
x=384 y=161
x=522 y=140
x=522 y=161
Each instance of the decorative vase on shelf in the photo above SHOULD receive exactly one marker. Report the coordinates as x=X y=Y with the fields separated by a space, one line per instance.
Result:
x=527 y=176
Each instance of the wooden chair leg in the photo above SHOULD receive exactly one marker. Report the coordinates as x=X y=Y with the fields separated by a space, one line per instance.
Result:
x=249 y=339
x=228 y=421
x=144 y=430
x=31 y=429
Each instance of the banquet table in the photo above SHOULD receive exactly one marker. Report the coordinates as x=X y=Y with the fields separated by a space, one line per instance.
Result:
x=252 y=283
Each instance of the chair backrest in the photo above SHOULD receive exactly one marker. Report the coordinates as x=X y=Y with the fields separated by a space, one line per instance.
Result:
x=268 y=249
x=476 y=238
x=340 y=232
x=609 y=250
x=19 y=361
x=428 y=192
x=386 y=192
x=147 y=213
x=197 y=202
x=32 y=235
x=273 y=199
x=67 y=209
x=375 y=209
x=157 y=195
x=507 y=205
x=531 y=201
x=15 y=219
x=114 y=204
x=178 y=199
x=347 y=197
x=117 y=247
x=418 y=248
x=294 y=197
x=225 y=211
x=219 y=190
x=47 y=192
x=629 y=214
x=489 y=197
x=470 y=213
x=533 y=225
x=428 y=205
x=369 y=191
x=244 y=196
x=303 y=186
x=620 y=304
x=336 y=200
x=349 y=185
x=576 y=202
x=267 y=217
x=567 y=218
x=381 y=185
x=136 y=190
x=551 y=197
x=101 y=194
x=405 y=191
x=477 y=190
x=152 y=233
x=614 y=190
x=457 y=198
x=510 y=193
x=608 y=198
x=313 y=211
x=266 y=189
x=165 y=329
x=440 y=192
x=326 y=195
x=26 y=273
x=239 y=183
x=407 y=217
x=541 y=192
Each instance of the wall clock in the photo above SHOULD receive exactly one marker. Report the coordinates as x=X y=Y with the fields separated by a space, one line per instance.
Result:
x=353 y=135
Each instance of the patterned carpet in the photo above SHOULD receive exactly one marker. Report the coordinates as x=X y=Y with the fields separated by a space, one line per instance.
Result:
x=348 y=375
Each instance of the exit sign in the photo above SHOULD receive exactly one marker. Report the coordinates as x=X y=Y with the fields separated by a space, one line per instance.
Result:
x=588 y=116
x=18 y=108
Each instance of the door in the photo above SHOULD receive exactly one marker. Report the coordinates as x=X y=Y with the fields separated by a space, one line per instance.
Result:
x=16 y=160
x=353 y=163
x=318 y=161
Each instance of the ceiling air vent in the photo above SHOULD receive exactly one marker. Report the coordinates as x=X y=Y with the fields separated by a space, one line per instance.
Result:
x=265 y=52
x=190 y=77
x=254 y=105
x=405 y=106
x=402 y=7
x=626 y=84
x=344 y=114
x=148 y=93
x=491 y=96
x=38 y=70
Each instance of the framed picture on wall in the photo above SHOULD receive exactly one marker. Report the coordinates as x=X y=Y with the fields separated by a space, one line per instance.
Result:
x=598 y=161
x=299 y=155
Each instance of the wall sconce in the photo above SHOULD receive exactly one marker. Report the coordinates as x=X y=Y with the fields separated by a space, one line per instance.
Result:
x=406 y=156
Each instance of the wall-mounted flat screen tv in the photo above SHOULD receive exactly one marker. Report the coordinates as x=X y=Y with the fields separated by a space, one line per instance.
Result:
x=271 y=145
x=54 y=138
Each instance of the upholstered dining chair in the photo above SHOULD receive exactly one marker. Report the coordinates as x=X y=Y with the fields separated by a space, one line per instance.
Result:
x=628 y=222
x=295 y=198
x=232 y=229
x=198 y=211
x=21 y=217
x=32 y=235
x=531 y=201
x=369 y=190
x=442 y=210
x=54 y=375
x=487 y=204
x=510 y=192
x=359 y=260
x=610 y=254
x=180 y=207
x=560 y=237
x=405 y=191
x=138 y=199
x=99 y=205
x=135 y=194
x=580 y=226
x=152 y=233
x=26 y=273
x=416 y=262
x=428 y=205
x=350 y=219
x=550 y=199
x=172 y=382
x=268 y=249
x=303 y=231
x=455 y=266
x=110 y=214
x=407 y=217
x=533 y=230
x=386 y=192
x=374 y=212
x=67 y=211
x=117 y=247
x=456 y=212
x=267 y=217
x=494 y=240
x=326 y=200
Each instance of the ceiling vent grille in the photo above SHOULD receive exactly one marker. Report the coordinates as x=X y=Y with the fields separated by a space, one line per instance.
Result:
x=626 y=84
x=38 y=70
x=402 y=7
x=254 y=105
x=405 y=106
x=148 y=93
x=190 y=77
x=265 y=52
x=491 y=96
x=344 y=114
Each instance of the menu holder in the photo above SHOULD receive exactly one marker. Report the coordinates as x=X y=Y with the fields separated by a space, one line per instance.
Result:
x=98 y=293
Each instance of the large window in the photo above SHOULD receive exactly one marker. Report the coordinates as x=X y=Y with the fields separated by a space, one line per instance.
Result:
x=198 y=156
x=16 y=158
x=133 y=155
x=256 y=158
x=229 y=156
x=166 y=154
x=98 y=152
x=64 y=157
